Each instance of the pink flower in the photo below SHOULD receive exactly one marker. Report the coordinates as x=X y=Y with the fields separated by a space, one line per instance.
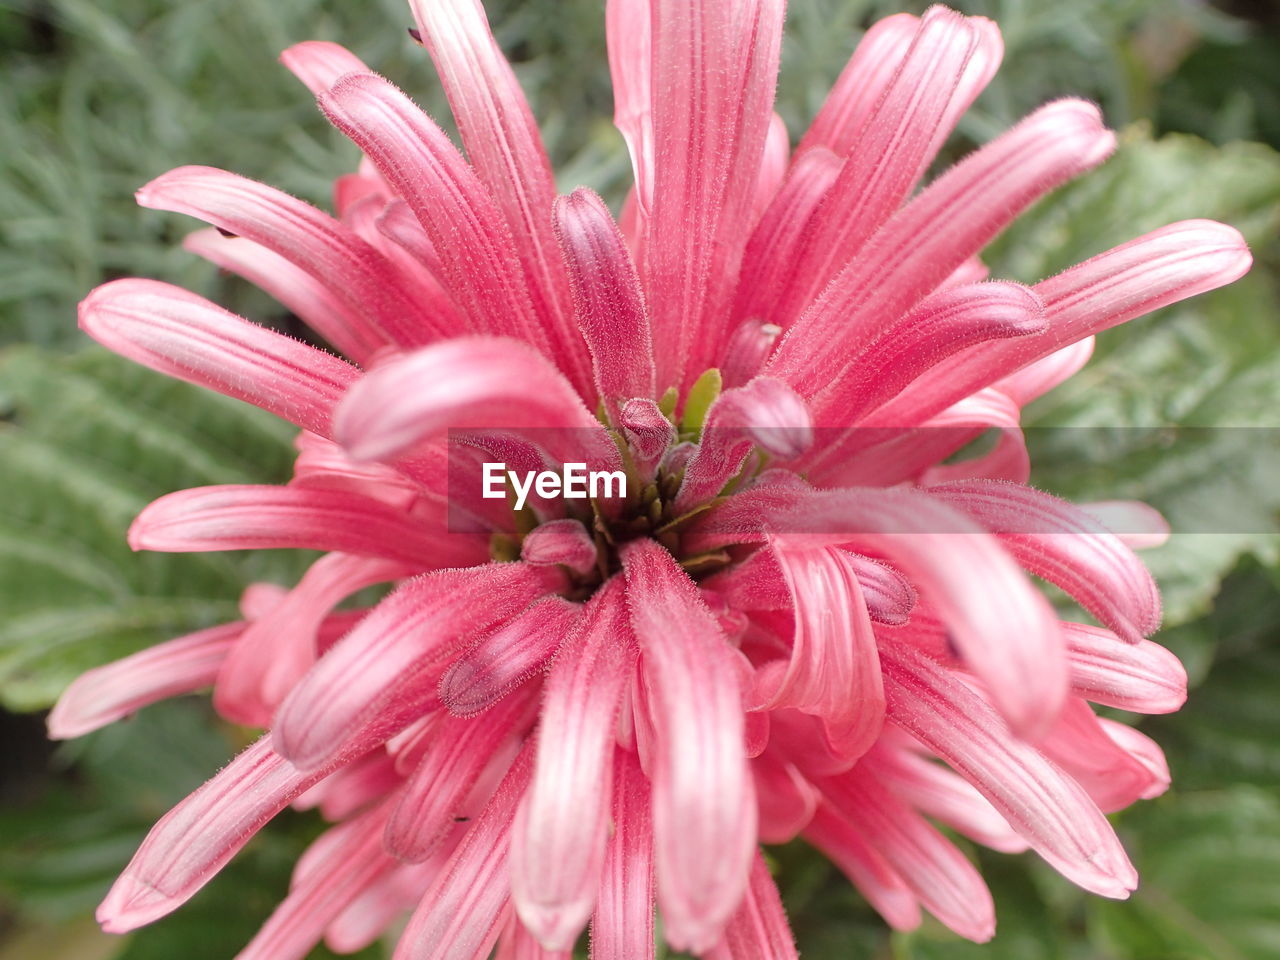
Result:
x=798 y=621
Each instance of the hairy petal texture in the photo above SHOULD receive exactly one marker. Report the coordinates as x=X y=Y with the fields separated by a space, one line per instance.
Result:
x=560 y=835
x=186 y=337
x=713 y=70
x=703 y=802
x=478 y=260
x=393 y=653
x=470 y=382
x=109 y=693
x=1048 y=808
x=1142 y=677
x=380 y=309
x=833 y=671
x=936 y=232
x=608 y=301
x=622 y=926
x=504 y=146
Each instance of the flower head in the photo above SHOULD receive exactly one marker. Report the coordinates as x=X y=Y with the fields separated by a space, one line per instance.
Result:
x=791 y=617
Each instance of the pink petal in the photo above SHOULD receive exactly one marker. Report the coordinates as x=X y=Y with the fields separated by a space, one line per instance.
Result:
x=714 y=67
x=1139 y=526
x=622 y=927
x=469 y=382
x=704 y=808
x=560 y=541
x=759 y=927
x=277 y=650
x=195 y=839
x=1142 y=677
x=319 y=64
x=456 y=755
x=867 y=869
x=517 y=943
x=1044 y=805
x=393 y=653
x=938 y=874
x=379 y=906
x=253 y=517
x=1038 y=378
x=478 y=260
x=1060 y=542
x=773 y=166
x=558 y=845
x=786 y=799
x=507 y=657
x=377 y=306
x=187 y=337
x=461 y=914
x=504 y=146
x=764 y=413
x=649 y=435
x=938 y=230
x=833 y=671
x=629 y=27
x=1112 y=778
x=608 y=302
x=109 y=693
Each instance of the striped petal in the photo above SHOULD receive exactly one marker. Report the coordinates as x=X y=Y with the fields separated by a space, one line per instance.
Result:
x=622 y=927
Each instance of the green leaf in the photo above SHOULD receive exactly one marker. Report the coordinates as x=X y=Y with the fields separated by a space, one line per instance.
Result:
x=86 y=441
x=702 y=394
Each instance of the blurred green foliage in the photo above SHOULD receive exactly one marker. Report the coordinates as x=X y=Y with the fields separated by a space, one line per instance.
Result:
x=100 y=97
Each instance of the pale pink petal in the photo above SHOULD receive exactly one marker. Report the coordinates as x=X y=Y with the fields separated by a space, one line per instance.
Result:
x=1145 y=751
x=704 y=804
x=938 y=230
x=773 y=166
x=253 y=517
x=478 y=260
x=396 y=653
x=833 y=671
x=1038 y=378
x=1062 y=543
x=759 y=928
x=504 y=146
x=560 y=834
x=608 y=302
x=1142 y=677
x=1139 y=526
x=462 y=913
x=476 y=382
x=1112 y=778
x=319 y=64
x=376 y=303
x=1049 y=809
x=628 y=24
x=622 y=927
x=714 y=69
x=187 y=337
x=517 y=943
x=560 y=541
x=786 y=799
x=109 y=693
x=379 y=905
x=507 y=657
x=846 y=847
x=947 y=884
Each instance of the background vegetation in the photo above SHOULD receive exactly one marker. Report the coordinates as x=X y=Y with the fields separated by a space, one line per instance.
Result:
x=97 y=98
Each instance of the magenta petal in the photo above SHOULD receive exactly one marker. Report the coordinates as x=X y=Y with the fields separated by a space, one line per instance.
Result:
x=703 y=803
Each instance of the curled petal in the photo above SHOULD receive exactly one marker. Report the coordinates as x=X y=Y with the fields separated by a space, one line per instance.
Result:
x=187 y=337
x=1143 y=677
x=560 y=541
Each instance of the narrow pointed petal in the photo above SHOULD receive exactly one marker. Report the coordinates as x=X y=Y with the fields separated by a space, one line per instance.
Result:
x=834 y=670
x=628 y=24
x=377 y=304
x=394 y=651
x=946 y=883
x=773 y=166
x=1049 y=809
x=186 y=337
x=379 y=907
x=461 y=914
x=911 y=255
x=759 y=928
x=865 y=867
x=253 y=517
x=1109 y=774
x=114 y=691
x=764 y=413
x=195 y=839
x=504 y=146
x=608 y=302
x=1062 y=543
x=622 y=927
x=319 y=64
x=714 y=68
x=1142 y=677
x=476 y=382
x=437 y=790
x=507 y=657
x=704 y=807
x=277 y=649
x=478 y=260
x=558 y=845
x=1038 y=378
